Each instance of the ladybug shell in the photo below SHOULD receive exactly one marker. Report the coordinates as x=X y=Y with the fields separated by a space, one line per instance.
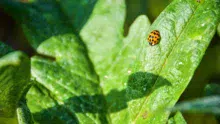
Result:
x=154 y=37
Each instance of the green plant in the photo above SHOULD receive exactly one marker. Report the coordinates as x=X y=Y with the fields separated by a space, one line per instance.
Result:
x=86 y=71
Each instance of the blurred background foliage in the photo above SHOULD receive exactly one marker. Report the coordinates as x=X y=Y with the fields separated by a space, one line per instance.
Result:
x=151 y=8
x=134 y=8
x=208 y=71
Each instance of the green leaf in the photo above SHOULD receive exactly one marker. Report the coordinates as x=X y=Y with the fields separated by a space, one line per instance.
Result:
x=24 y=115
x=39 y=19
x=203 y=73
x=50 y=109
x=177 y=119
x=114 y=59
x=77 y=11
x=161 y=72
x=14 y=63
x=68 y=89
x=14 y=81
x=126 y=56
x=173 y=59
x=104 y=28
x=138 y=80
x=115 y=49
x=209 y=105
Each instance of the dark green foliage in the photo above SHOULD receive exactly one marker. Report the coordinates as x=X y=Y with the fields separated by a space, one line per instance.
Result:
x=86 y=71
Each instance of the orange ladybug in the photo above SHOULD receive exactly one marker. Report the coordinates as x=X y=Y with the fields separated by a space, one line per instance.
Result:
x=154 y=37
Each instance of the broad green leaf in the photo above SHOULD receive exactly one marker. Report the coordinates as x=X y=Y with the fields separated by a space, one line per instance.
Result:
x=68 y=89
x=14 y=82
x=126 y=55
x=209 y=105
x=113 y=85
x=177 y=119
x=158 y=74
x=103 y=33
x=50 y=103
x=102 y=30
x=39 y=19
x=180 y=51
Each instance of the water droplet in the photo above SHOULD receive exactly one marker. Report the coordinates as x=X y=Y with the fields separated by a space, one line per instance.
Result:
x=101 y=84
x=56 y=92
x=180 y=63
x=129 y=71
x=106 y=76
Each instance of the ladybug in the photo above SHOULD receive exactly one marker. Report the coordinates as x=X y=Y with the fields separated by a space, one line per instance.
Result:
x=154 y=37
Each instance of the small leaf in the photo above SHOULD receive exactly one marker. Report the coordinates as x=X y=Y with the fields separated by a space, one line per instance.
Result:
x=209 y=105
x=14 y=81
x=177 y=119
x=4 y=49
x=23 y=113
x=212 y=89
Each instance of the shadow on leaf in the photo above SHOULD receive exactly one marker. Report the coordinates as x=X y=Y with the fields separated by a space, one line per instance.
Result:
x=139 y=84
